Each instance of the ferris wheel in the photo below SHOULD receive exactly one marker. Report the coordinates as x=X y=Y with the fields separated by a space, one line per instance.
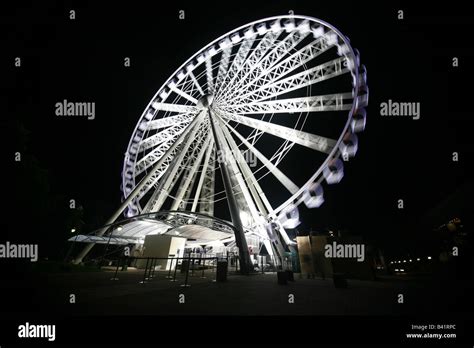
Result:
x=262 y=118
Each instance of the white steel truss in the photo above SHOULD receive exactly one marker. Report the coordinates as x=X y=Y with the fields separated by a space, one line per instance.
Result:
x=300 y=80
x=331 y=102
x=281 y=68
x=206 y=202
x=312 y=141
x=265 y=44
x=279 y=50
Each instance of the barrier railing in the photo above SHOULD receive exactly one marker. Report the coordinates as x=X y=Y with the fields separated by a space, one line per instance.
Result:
x=186 y=265
x=192 y=265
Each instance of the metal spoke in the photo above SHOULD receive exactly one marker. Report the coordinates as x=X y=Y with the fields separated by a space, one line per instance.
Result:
x=279 y=51
x=206 y=163
x=210 y=77
x=189 y=175
x=196 y=83
x=294 y=61
x=330 y=102
x=253 y=58
x=167 y=121
x=167 y=134
x=276 y=172
x=312 y=141
x=183 y=94
x=239 y=59
x=303 y=79
x=185 y=109
x=192 y=143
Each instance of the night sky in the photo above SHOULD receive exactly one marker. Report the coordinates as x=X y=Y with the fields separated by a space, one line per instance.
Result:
x=82 y=60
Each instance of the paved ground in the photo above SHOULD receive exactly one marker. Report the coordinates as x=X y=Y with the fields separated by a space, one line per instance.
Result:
x=260 y=294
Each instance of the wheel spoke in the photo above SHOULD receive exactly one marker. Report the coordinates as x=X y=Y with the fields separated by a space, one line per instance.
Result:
x=303 y=79
x=223 y=66
x=312 y=141
x=184 y=109
x=288 y=65
x=276 y=172
x=167 y=121
x=183 y=94
x=205 y=165
x=151 y=158
x=196 y=83
x=252 y=60
x=193 y=141
x=209 y=76
x=167 y=134
x=279 y=51
x=330 y=102
x=206 y=202
x=258 y=195
x=238 y=60
x=190 y=174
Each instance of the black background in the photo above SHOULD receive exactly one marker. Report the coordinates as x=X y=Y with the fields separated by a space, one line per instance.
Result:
x=406 y=60
x=82 y=59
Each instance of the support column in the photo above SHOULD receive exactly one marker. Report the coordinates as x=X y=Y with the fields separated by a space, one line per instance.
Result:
x=245 y=263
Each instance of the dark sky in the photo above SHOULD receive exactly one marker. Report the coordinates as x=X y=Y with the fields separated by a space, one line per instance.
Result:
x=407 y=60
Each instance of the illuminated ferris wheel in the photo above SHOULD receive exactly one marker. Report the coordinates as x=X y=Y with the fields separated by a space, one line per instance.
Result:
x=261 y=119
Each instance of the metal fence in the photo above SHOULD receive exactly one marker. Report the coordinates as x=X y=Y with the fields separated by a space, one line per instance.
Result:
x=188 y=267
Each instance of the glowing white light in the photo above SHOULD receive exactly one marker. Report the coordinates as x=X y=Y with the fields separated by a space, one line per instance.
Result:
x=73 y=230
x=212 y=51
x=245 y=218
x=348 y=145
x=262 y=29
x=418 y=259
x=181 y=75
x=318 y=32
x=149 y=115
x=224 y=44
x=429 y=257
x=276 y=26
x=164 y=95
x=201 y=58
x=289 y=26
x=290 y=217
x=342 y=49
x=236 y=38
x=314 y=196
x=404 y=261
x=304 y=27
x=334 y=172
x=119 y=228
x=358 y=120
x=250 y=33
